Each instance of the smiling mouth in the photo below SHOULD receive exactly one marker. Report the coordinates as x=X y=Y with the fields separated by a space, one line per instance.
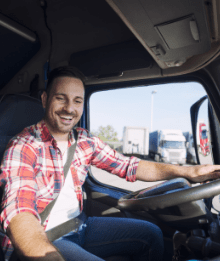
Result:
x=66 y=119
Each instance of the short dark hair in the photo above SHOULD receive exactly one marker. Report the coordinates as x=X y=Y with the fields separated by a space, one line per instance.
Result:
x=62 y=72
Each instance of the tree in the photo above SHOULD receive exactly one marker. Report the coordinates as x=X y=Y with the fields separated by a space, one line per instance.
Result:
x=106 y=133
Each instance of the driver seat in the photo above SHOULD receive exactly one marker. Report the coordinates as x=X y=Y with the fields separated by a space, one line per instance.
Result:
x=16 y=112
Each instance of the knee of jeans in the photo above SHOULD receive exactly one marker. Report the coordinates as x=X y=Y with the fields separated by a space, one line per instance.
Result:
x=158 y=241
x=155 y=235
x=158 y=232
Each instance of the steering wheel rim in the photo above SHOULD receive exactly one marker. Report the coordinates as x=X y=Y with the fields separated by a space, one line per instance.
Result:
x=133 y=202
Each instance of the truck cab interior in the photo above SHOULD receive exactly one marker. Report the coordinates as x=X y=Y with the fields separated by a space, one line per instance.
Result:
x=124 y=45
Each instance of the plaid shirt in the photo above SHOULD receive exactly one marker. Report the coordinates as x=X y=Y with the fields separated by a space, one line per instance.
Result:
x=33 y=178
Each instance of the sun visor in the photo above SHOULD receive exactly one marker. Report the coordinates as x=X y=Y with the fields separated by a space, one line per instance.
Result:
x=185 y=31
x=171 y=31
x=112 y=60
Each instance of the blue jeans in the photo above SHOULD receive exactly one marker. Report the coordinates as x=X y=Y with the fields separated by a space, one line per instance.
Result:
x=101 y=237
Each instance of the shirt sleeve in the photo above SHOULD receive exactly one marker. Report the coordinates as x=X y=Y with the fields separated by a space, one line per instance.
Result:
x=20 y=188
x=106 y=158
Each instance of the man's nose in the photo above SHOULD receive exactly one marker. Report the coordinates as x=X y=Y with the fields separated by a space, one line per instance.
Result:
x=69 y=107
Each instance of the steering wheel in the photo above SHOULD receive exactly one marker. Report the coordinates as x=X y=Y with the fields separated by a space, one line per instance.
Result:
x=169 y=193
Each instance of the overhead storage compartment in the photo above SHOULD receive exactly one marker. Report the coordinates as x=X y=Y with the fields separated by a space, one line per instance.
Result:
x=171 y=30
x=112 y=60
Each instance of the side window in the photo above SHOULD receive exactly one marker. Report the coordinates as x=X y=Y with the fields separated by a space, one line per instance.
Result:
x=149 y=122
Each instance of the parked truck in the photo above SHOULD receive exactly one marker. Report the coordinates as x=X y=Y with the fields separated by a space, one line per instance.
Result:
x=168 y=146
x=190 y=148
x=136 y=141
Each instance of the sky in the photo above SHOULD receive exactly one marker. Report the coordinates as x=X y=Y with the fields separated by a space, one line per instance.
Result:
x=132 y=107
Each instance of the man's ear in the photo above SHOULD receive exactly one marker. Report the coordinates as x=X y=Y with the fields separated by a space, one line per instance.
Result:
x=44 y=99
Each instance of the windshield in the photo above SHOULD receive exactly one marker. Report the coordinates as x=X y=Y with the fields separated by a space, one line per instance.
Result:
x=173 y=144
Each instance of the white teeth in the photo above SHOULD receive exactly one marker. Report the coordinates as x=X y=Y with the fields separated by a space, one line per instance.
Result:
x=66 y=118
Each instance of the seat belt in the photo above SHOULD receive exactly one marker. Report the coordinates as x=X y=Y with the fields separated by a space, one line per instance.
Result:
x=73 y=223
x=66 y=227
x=66 y=167
x=69 y=225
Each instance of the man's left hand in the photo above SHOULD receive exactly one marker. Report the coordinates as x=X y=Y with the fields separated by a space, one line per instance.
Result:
x=202 y=173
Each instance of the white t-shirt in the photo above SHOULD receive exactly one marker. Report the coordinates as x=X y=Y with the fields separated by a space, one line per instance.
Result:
x=67 y=204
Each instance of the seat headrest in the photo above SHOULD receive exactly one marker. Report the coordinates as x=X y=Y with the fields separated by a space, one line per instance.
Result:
x=17 y=112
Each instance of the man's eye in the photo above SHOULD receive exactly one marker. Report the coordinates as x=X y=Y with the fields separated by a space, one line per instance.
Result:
x=78 y=101
x=60 y=98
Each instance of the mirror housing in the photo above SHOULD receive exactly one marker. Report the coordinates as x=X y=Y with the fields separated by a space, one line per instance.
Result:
x=214 y=132
x=194 y=111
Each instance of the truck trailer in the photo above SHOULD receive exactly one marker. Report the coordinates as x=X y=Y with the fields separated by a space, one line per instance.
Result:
x=168 y=146
x=136 y=141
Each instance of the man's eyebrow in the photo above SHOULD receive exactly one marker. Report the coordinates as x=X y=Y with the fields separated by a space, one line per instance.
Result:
x=59 y=93
x=63 y=94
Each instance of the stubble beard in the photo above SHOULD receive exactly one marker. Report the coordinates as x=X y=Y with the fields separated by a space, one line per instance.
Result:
x=57 y=128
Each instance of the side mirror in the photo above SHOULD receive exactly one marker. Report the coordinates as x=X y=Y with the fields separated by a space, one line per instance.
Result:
x=212 y=134
x=200 y=128
x=201 y=117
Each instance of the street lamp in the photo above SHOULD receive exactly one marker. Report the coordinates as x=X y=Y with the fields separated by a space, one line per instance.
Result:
x=152 y=100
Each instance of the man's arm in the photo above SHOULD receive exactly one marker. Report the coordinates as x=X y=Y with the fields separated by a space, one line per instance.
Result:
x=19 y=215
x=153 y=171
x=29 y=239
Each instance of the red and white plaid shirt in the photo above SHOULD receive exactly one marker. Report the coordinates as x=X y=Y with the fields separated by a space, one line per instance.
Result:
x=33 y=176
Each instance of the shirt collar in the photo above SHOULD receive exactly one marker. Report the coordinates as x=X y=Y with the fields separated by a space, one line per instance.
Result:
x=71 y=138
x=48 y=138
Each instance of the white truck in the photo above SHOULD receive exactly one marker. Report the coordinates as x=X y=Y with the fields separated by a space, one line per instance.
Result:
x=190 y=148
x=168 y=146
x=136 y=141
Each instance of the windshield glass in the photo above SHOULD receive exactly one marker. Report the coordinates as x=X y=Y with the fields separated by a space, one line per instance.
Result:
x=173 y=144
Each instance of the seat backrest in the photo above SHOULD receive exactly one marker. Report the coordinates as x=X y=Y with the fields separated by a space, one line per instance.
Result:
x=17 y=112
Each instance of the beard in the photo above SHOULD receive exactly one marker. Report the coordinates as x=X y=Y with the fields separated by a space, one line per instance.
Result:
x=56 y=125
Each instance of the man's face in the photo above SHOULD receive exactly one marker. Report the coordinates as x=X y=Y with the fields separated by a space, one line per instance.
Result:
x=64 y=106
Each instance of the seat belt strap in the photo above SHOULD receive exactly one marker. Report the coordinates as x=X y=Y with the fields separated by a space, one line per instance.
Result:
x=70 y=155
x=66 y=227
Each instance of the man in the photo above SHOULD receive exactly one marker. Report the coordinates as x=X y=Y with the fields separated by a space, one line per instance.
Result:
x=33 y=173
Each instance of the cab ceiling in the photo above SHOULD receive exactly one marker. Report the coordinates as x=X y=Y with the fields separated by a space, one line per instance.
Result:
x=77 y=26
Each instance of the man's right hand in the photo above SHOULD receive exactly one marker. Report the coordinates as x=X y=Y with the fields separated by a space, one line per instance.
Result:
x=30 y=240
